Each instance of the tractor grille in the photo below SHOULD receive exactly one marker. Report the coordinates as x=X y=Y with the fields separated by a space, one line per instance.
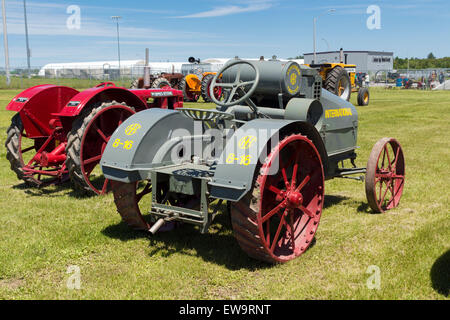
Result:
x=317 y=89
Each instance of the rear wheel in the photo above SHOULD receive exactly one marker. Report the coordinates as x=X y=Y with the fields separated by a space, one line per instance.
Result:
x=277 y=220
x=127 y=197
x=21 y=150
x=363 y=96
x=338 y=82
x=160 y=83
x=86 y=141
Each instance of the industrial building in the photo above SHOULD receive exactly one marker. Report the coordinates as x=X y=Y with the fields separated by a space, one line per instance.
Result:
x=365 y=61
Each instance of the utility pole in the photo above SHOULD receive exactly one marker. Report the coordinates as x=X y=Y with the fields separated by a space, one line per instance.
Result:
x=314 y=32
x=116 y=18
x=5 y=41
x=26 y=37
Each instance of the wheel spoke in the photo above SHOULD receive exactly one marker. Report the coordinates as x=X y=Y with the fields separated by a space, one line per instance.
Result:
x=306 y=211
x=385 y=192
x=291 y=227
x=120 y=119
x=274 y=189
x=304 y=182
x=105 y=186
x=268 y=215
x=394 y=164
x=286 y=181
x=294 y=175
x=100 y=132
x=93 y=159
x=277 y=234
x=387 y=155
x=147 y=190
x=27 y=149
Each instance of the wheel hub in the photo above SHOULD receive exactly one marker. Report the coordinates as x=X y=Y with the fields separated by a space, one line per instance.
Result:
x=294 y=199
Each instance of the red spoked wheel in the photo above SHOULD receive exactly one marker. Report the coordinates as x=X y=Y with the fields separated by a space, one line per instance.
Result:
x=86 y=142
x=277 y=220
x=24 y=155
x=385 y=176
x=206 y=83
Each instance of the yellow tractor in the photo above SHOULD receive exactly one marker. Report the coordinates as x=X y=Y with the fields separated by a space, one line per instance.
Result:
x=341 y=79
x=197 y=80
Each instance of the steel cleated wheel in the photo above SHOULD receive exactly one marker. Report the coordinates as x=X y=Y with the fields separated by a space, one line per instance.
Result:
x=385 y=176
x=128 y=198
x=277 y=220
x=86 y=141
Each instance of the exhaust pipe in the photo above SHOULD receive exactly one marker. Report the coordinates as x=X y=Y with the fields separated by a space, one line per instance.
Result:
x=146 y=70
x=158 y=224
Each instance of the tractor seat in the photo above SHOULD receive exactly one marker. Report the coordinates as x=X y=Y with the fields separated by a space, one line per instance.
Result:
x=206 y=114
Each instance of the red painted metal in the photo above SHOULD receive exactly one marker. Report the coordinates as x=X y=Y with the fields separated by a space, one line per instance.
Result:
x=36 y=106
x=93 y=143
x=279 y=221
x=385 y=177
x=48 y=111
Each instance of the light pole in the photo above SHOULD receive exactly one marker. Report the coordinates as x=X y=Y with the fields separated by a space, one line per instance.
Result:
x=116 y=18
x=314 y=32
x=5 y=41
x=328 y=45
x=26 y=37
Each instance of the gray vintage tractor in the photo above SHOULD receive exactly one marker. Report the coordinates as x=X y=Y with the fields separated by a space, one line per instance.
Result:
x=266 y=150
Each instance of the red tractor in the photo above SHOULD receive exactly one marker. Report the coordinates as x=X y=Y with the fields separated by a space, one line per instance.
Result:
x=59 y=132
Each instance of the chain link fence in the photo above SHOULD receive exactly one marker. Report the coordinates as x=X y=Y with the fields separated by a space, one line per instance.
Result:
x=85 y=77
x=425 y=79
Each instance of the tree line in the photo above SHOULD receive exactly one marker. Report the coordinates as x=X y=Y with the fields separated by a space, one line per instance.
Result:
x=426 y=63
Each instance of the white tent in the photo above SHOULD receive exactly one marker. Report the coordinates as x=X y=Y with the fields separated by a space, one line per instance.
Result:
x=106 y=69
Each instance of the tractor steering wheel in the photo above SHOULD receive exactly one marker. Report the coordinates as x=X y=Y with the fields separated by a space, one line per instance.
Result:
x=237 y=84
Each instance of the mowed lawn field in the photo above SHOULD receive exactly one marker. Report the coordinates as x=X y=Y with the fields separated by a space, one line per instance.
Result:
x=44 y=231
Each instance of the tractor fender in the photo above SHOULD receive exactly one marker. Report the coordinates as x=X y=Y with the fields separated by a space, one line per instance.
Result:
x=248 y=147
x=102 y=94
x=37 y=105
x=131 y=150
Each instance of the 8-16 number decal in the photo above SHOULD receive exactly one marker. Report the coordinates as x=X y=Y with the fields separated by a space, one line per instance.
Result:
x=127 y=145
x=244 y=160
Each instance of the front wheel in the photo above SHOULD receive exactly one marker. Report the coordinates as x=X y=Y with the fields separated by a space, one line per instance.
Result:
x=385 y=176
x=363 y=96
x=277 y=220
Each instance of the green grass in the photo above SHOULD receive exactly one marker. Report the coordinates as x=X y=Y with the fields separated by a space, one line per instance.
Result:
x=43 y=231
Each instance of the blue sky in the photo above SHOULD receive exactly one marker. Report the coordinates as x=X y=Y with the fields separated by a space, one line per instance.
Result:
x=175 y=29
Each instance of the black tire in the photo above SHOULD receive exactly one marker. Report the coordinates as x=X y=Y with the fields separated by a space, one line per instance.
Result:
x=73 y=148
x=334 y=77
x=160 y=83
x=182 y=87
x=13 y=153
x=206 y=81
x=363 y=96
x=187 y=97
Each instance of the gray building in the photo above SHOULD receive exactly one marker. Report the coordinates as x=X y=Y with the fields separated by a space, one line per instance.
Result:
x=365 y=61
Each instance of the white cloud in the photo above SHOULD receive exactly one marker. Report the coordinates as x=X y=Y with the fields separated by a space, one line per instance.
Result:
x=252 y=6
